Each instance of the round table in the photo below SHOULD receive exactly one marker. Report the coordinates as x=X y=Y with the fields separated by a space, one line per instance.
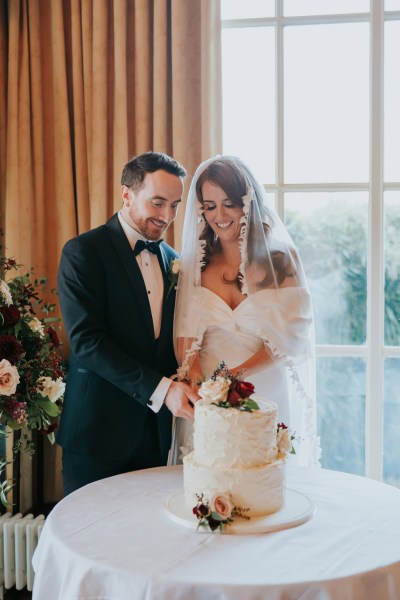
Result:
x=113 y=540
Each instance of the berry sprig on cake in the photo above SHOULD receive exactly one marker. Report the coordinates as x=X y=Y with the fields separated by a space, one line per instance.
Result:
x=226 y=390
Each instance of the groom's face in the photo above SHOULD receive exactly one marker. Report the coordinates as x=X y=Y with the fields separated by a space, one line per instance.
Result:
x=154 y=206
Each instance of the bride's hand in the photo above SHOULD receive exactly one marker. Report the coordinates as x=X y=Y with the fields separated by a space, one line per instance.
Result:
x=180 y=400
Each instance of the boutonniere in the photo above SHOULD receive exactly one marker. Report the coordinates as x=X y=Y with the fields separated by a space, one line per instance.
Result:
x=173 y=274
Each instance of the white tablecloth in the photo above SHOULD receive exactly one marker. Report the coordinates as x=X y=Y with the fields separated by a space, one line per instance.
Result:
x=112 y=540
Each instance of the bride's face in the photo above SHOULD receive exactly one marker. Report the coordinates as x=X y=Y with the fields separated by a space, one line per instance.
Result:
x=222 y=215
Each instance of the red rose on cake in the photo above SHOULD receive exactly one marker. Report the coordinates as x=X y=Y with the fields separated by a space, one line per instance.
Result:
x=239 y=391
x=228 y=390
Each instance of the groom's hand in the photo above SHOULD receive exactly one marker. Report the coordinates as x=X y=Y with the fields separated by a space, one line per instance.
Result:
x=180 y=399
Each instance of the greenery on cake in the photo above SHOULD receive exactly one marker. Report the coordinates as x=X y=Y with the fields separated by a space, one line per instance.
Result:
x=218 y=512
x=228 y=390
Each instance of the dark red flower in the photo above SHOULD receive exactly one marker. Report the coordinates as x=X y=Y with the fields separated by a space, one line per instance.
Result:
x=11 y=315
x=51 y=332
x=10 y=348
x=282 y=426
x=9 y=263
x=234 y=398
x=245 y=389
x=203 y=509
x=239 y=391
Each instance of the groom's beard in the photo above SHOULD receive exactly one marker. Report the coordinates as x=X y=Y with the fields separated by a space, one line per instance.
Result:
x=152 y=229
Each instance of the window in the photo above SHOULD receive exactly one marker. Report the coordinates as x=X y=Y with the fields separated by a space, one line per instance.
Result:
x=311 y=92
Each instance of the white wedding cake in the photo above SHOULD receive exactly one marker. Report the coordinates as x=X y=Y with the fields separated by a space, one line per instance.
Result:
x=238 y=452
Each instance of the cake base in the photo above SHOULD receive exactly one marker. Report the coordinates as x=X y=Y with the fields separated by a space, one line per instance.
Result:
x=296 y=510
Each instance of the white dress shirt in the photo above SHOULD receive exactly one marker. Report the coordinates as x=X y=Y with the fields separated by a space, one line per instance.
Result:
x=153 y=280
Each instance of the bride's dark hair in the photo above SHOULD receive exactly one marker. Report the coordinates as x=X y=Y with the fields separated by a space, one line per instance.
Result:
x=233 y=176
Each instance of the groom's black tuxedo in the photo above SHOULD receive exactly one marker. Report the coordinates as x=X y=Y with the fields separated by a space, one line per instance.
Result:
x=115 y=363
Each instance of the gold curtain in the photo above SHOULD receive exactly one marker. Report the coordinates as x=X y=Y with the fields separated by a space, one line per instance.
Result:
x=85 y=84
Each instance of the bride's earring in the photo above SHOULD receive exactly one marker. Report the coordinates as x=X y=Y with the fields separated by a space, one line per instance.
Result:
x=215 y=238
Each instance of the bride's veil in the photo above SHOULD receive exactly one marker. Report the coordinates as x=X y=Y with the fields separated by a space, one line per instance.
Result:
x=269 y=261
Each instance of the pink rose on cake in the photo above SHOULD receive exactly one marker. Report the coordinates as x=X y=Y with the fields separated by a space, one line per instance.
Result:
x=215 y=390
x=221 y=505
x=218 y=513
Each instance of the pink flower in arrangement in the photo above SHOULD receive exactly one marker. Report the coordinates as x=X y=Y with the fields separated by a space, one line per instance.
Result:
x=9 y=378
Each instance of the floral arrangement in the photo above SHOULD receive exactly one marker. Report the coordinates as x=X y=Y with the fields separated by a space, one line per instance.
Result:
x=218 y=512
x=228 y=390
x=173 y=274
x=31 y=372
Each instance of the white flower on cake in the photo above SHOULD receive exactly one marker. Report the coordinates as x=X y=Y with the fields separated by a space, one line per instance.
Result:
x=215 y=390
x=228 y=390
x=284 y=440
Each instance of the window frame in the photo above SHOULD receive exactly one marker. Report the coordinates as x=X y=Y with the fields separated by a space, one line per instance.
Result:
x=374 y=351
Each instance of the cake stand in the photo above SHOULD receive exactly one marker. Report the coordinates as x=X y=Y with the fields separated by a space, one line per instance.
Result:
x=296 y=510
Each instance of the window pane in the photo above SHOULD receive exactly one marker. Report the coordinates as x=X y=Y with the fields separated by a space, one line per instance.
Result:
x=341 y=413
x=326 y=104
x=237 y=9
x=392 y=269
x=392 y=4
x=249 y=100
x=324 y=7
x=271 y=199
x=392 y=102
x=330 y=230
x=391 y=422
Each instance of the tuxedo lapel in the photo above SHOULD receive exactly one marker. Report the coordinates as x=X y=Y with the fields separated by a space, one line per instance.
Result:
x=132 y=270
x=168 y=299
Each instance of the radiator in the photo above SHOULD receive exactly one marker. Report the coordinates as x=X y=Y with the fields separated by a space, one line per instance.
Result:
x=18 y=539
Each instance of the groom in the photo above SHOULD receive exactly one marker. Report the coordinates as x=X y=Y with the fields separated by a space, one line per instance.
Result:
x=117 y=305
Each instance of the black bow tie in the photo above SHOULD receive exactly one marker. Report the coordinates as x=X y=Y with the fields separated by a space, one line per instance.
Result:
x=153 y=247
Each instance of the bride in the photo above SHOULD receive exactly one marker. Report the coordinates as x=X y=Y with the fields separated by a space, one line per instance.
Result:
x=242 y=298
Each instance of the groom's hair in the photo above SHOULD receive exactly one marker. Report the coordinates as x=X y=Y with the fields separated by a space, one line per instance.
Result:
x=136 y=168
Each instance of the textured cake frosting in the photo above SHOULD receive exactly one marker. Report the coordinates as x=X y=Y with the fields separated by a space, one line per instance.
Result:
x=233 y=438
x=235 y=452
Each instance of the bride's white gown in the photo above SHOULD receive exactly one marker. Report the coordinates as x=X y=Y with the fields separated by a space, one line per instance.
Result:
x=231 y=336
